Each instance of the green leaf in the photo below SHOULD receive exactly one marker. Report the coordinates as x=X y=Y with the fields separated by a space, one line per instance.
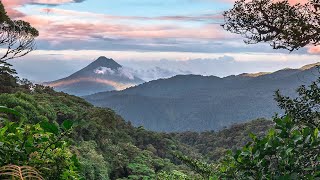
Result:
x=67 y=124
x=252 y=136
x=3 y=130
x=4 y=109
x=49 y=127
x=316 y=133
x=297 y=138
x=289 y=150
x=245 y=153
x=308 y=169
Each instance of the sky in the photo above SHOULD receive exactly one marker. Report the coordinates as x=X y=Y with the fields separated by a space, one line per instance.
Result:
x=155 y=39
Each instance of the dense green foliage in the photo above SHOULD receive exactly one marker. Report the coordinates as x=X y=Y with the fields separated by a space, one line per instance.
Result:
x=287 y=152
x=214 y=145
x=39 y=145
x=107 y=147
x=290 y=150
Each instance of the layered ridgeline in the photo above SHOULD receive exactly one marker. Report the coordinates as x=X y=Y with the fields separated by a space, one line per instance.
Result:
x=198 y=103
x=101 y=75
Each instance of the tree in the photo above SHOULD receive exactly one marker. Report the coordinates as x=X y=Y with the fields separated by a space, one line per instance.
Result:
x=279 y=23
x=17 y=37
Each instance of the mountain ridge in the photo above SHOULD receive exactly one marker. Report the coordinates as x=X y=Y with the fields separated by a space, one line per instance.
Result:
x=200 y=103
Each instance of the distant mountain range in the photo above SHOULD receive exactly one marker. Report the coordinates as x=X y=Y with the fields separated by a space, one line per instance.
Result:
x=101 y=75
x=199 y=103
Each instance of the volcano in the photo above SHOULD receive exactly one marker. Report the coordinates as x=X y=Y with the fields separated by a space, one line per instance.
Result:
x=103 y=74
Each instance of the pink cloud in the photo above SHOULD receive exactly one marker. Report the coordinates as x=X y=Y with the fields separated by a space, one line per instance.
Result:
x=298 y=1
x=77 y=14
x=53 y=2
x=12 y=5
x=87 y=31
x=62 y=24
x=314 y=49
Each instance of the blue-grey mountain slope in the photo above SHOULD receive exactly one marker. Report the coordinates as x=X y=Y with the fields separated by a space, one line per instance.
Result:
x=199 y=103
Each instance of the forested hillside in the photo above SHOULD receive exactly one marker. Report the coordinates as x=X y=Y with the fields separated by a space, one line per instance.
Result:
x=214 y=145
x=108 y=147
x=199 y=103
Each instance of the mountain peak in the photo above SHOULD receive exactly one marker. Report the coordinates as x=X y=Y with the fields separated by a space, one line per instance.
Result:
x=102 y=61
x=103 y=74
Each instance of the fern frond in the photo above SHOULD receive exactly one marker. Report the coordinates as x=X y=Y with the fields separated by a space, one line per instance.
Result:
x=20 y=173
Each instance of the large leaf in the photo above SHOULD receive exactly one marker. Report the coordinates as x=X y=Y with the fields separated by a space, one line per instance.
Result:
x=49 y=127
x=4 y=109
x=67 y=124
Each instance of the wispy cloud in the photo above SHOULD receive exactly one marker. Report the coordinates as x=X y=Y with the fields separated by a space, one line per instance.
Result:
x=12 y=5
x=212 y=18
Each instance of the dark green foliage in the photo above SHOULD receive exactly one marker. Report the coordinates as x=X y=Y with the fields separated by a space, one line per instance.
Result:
x=141 y=167
x=176 y=175
x=7 y=80
x=106 y=145
x=286 y=152
x=6 y=110
x=94 y=166
x=29 y=107
x=110 y=148
x=204 y=169
x=214 y=145
x=304 y=108
x=290 y=150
